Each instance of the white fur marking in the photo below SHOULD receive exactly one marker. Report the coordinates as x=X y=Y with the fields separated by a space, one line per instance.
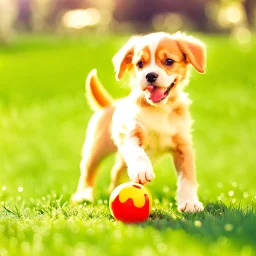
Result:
x=187 y=196
x=152 y=48
x=139 y=165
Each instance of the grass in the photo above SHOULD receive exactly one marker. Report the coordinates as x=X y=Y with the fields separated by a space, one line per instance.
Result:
x=43 y=117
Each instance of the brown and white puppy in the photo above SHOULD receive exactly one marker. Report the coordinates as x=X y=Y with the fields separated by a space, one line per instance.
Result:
x=150 y=122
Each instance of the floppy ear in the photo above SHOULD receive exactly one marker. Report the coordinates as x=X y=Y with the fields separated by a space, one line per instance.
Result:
x=123 y=59
x=193 y=49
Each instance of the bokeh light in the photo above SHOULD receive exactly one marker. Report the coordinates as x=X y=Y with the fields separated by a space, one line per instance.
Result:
x=242 y=35
x=231 y=15
x=167 y=21
x=80 y=18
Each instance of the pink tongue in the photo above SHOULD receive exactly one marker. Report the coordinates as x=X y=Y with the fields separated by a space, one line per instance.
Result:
x=157 y=93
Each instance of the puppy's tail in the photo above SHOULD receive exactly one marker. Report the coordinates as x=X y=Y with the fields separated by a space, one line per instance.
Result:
x=96 y=94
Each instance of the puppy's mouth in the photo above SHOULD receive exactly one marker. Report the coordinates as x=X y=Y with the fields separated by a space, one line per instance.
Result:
x=157 y=94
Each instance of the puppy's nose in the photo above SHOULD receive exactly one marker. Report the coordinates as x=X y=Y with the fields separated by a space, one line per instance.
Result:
x=151 y=77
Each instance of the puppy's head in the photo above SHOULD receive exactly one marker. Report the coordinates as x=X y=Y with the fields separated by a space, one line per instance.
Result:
x=160 y=62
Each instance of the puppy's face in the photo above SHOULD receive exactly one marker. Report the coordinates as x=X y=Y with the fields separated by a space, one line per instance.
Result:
x=160 y=62
x=158 y=66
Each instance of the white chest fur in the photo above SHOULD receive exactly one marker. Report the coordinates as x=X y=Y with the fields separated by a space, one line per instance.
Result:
x=161 y=125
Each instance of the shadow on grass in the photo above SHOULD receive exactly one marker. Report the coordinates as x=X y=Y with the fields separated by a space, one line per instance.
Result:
x=215 y=222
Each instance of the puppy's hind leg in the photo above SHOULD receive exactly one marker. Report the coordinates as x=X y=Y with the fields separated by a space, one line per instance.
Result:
x=98 y=144
x=116 y=172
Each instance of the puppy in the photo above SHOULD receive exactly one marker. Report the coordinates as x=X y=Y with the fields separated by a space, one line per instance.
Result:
x=152 y=121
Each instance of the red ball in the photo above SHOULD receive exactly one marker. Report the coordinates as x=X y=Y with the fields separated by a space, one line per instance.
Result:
x=130 y=202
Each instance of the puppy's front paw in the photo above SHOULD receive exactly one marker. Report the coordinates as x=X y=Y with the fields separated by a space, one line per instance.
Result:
x=189 y=206
x=143 y=177
x=141 y=171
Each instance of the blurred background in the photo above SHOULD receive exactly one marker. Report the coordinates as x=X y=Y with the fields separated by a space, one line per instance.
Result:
x=74 y=17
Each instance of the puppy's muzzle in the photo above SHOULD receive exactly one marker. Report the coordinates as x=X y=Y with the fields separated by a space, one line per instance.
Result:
x=151 y=77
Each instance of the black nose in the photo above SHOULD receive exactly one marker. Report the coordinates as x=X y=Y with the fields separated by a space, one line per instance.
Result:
x=151 y=77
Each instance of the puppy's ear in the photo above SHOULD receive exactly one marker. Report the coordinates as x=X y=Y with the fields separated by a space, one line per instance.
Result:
x=193 y=49
x=123 y=59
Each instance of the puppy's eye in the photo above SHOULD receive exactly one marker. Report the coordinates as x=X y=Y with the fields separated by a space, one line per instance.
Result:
x=169 y=62
x=140 y=64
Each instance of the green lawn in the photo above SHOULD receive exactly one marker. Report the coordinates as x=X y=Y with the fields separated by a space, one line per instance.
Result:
x=43 y=117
